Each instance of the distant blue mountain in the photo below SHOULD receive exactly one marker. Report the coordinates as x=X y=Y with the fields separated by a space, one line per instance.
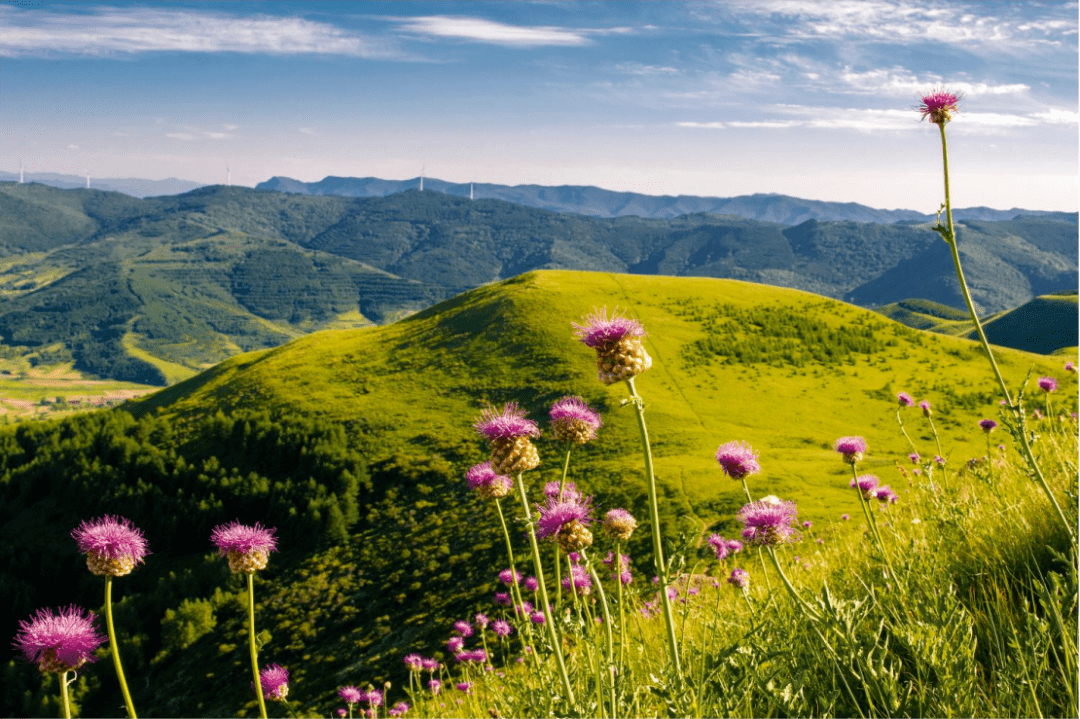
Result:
x=128 y=185
x=597 y=202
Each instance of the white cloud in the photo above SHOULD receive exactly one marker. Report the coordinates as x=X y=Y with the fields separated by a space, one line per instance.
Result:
x=180 y=135
x=637 y=68
x=107 y=31
x=231 y=128
x=489 y=31
x=900 y=81
x=1057 y=117
x=307 y=130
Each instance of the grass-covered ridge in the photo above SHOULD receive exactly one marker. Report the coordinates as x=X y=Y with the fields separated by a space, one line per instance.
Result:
x=355 y=444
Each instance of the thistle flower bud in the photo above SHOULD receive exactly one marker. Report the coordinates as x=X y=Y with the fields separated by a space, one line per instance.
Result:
x=620 y=524
x=617 y=341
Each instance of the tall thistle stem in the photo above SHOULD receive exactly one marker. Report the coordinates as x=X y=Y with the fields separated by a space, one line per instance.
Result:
x=949 y=233
x=558 y=550
x=515 y=587
x=251 y=643
x=654 y=513
x=116 y=648
x=64 y=694
x=556 y=645
x=764 y=572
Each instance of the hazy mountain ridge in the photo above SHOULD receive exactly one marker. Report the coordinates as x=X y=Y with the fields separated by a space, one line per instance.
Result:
x=200 y=276
x=134 y=186
x=598 y=202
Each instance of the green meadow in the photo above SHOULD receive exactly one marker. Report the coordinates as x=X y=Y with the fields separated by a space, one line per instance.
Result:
x=354 y=443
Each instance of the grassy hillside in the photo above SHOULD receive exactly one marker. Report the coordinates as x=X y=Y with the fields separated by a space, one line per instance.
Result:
x=355 y=444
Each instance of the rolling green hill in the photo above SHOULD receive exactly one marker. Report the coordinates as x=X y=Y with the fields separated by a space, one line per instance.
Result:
x=354 y=443
x=155 y=289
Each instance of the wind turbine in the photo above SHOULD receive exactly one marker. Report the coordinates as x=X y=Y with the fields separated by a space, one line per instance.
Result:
x=20 y=172
x=88 y=179
x=228 y=176
x=471 y=195
x=422 y=168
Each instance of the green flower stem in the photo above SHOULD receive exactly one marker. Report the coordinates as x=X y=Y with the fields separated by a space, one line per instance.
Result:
x=556 y=645
x=654 y=512
x=619 y=599
x=903 y=431
x=807 y=609
x=604 y=607
x=989 y=457
x=937 y=442
x=558 y=550
x=764 y=572
x=872 y=525
x=515 y=589
x=251 y=643
x=64 y=695
x=1025 y=442
x=116 y=648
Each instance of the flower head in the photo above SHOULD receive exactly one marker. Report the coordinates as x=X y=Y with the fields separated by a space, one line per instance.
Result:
x=738 y=459
x=538 y=617
x=455 y=644
x=274 y=680
x=463 y=628
x=509 y=576
x=373 y=697
x=567 y=521
x=501 y=628
x=59 y=642
x=734 y=546
x=866 y=484
x=413 y=661
x=719 y=545
x=620 y=524
x=852 y=448
x=904 y=399
x=845 y=517
x=1047 y=384
x=434 y=685
x=509 y=423
x=248 y=548
x=988 y=425
x=1070 y=367
x=599 y=331
x=352 y=695
x=399 y=709
x=485 y=482
x=430 y=665
x=569 y=491
x=739 y=578
x=884 y=494
x=938 y=105
x=925 y=407
x=531 y=584
x=572 y=420
x=939 y=460
x=112 y=545
x=578 y=579
x=914 y=457
x=481 y=620
x=770 y=524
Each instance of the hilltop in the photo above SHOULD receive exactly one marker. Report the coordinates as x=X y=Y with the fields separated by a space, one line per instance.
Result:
x=156 y=289
x=354 y=443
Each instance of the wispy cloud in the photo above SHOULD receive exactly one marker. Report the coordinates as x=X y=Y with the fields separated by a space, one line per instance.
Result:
x=477 y=29
x=194 y=133
x=108 y=31
x=306 y=130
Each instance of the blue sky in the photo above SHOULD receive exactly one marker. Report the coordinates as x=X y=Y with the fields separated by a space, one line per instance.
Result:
x=806 y=98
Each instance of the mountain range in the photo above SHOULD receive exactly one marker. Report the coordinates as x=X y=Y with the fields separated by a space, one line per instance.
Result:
x=154 y=289
x=598 y=202
x=134 y=186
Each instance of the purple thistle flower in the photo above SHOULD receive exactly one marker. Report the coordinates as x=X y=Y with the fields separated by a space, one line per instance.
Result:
x=807 y=524
x=766 y=523
x=414 y=662
x=925 y=407
x=719 y=545
x=508 y=576
x=1047 y=384
x=463 y=628
x=352 y=695
x=487 y=483
x=112 y=545
x=537 y=618
x=505 y=424
x=430 y=665
x=572 y=420
x=845 y=517
x=620 y=524
x=502 y=598
x=738 y=459
x=501 y=628
x=1070 y=367
x=865 y=483
x=481 y=620
x=939 y=460
x=578 y=578
x=341 y=711
x=599 y=331
x=399 y=709
x=554 y=515
x=852 y=448
x=569 y=491
x=904 y=399
x=938 y=105
x=435 y=686
x=373 y=697
x=626 y=577
x=523 y=609
x=247 y=548
x=275 y=682
x=988 y=425
x=1001 y=448
x=464 y=686
x=531 y=584
x=885 y=495
x=455 y=644
x=914 y=457
x=59 y=642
